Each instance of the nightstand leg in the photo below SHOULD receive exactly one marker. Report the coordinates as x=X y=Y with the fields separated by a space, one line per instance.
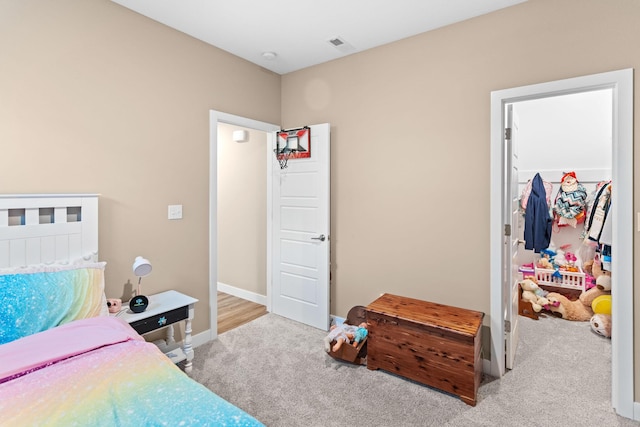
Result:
x=170 y=338
x=187 y=348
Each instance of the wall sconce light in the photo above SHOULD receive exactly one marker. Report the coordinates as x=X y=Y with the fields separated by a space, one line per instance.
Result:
x=141 y=268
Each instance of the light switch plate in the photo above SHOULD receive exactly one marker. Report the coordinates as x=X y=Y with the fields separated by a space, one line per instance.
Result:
x=175 y=211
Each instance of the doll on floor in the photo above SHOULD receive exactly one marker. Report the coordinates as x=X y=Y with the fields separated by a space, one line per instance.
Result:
x=344 y=333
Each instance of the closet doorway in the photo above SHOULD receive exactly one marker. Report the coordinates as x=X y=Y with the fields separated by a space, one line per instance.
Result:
x=621 y=85
x=560 y=134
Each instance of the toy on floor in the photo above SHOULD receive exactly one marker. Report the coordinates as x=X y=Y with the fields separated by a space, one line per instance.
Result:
x=357 y=353
x=341 y=334
x=579 y=310
x=601 y=320
x=587 y=297
x=361 y=334
x=532 y=293
x=602 y=304
x=601 y=324
x=567 y=309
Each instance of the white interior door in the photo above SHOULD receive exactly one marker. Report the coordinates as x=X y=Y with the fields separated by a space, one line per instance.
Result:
x=300 y=197
x=513 y=234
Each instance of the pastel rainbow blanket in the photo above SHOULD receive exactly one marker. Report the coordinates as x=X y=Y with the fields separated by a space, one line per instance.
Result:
x=100 y=372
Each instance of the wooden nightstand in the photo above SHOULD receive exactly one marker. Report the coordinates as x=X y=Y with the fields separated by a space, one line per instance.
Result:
x=165 y=309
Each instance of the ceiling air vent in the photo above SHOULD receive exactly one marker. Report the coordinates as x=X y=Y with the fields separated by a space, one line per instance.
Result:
x=341 y=44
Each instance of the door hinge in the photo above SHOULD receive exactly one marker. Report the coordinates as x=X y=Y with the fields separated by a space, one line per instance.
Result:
x=507 y=229
x=507 y=326
x=507 y=133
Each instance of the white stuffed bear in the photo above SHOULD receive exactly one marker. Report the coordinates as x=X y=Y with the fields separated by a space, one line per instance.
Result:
x=532 y=293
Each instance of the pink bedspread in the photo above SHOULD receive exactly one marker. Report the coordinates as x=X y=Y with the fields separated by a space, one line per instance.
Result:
x=100 y=372
x=39 y=350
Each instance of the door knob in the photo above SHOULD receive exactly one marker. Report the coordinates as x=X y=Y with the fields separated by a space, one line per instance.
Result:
x=320 y=237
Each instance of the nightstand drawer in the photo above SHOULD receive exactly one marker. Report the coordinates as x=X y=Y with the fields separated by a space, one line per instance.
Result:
x=160 y=320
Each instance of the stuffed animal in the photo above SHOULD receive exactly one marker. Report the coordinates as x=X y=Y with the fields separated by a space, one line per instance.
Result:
x=589 y=280
x=545 y=263
x=587 y=267
x=532 y=293
x=588 y=296
x=603 y=278
x=570 y=202
x=547 y=257
x=601 y=324
x=567 y=309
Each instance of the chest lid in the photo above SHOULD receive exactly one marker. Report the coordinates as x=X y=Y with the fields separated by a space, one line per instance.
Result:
x=432 y=315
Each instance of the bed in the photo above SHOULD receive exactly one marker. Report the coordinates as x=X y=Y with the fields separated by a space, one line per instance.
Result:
x=63 y=359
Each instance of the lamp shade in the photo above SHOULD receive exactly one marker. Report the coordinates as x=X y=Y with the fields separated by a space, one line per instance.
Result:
x=141 y=267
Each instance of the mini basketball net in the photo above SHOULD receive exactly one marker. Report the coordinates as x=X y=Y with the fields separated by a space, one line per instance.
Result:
x=283 y=156
x=292 y=144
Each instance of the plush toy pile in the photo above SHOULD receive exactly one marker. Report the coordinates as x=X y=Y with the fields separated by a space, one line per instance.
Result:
x=571 y=207
x=593 y=305
x=558 y=260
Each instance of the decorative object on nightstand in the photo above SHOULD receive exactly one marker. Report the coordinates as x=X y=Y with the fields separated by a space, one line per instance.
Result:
x=141 y=268
x=164 y=310
x=115 y=305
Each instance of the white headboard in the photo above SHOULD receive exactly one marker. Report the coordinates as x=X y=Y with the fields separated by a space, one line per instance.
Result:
x=47 y=228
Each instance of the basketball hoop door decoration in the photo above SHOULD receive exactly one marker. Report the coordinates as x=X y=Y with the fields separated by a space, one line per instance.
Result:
x=293 y=144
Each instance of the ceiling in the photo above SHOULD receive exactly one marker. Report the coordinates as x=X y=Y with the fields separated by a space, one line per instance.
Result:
x=299 y=32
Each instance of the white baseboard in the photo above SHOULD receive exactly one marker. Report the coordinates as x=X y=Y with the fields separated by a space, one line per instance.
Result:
x=201 y=338
x=241 y=293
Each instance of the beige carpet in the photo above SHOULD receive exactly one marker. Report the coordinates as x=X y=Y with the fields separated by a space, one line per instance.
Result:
x=277 y=370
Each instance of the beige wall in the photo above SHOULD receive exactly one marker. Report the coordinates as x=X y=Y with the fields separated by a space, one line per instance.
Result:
x=96 y=98
x=242 y=210
x=410 y=125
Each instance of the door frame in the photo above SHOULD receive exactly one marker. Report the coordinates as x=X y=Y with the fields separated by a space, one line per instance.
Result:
x=216 y=117
x=621 y=83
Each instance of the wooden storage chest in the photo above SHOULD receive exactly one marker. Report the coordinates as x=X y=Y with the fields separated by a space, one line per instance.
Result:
x=433 y=344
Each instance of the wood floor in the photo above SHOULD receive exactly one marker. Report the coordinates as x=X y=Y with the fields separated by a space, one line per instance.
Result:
x=234 y=311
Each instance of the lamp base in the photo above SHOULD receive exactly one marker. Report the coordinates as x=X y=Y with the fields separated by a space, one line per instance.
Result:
x=139 y=303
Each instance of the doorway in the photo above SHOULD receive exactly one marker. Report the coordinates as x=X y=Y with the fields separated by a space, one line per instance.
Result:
x=297 y=223
x=216 y=117
x=621 y=85
x=242 y=198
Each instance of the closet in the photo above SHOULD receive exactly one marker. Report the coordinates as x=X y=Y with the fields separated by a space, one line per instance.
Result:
x=557 y=136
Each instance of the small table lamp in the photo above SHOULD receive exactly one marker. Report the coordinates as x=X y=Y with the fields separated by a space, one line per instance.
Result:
x=141 y=268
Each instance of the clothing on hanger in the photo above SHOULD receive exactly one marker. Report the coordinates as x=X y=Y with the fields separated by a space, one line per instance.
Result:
x=537 y=220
